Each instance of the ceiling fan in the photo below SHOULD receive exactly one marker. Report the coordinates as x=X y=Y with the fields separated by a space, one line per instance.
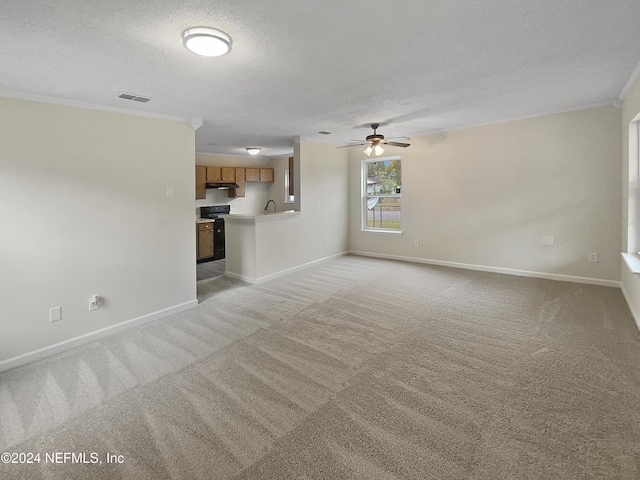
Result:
x=375 y=142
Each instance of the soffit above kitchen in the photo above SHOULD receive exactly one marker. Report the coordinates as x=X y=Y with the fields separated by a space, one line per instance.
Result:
x=298 y=67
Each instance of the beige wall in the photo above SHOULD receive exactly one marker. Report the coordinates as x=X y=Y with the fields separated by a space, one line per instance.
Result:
x=287 y=244
x=275 y=245
x=485 y=196
x=324 y=198
x=84 y=208
x=630 y=281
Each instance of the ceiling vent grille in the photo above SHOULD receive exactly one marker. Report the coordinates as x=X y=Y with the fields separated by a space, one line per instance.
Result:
x=135 y=98
x=322 y=132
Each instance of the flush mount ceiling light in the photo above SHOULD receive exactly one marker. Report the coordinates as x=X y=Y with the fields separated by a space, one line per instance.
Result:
x=206 y=41
x=253 y=150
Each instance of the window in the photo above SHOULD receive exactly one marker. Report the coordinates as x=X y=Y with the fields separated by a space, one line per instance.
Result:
x=633 y=233
x=632 y=253
x=289 y=196
x=381 y=194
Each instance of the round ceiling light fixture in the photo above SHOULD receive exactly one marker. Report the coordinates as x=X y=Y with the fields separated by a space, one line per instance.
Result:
x=253 y=150
x=206 y=41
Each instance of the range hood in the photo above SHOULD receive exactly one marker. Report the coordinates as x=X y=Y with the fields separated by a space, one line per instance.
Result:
x=223 y=185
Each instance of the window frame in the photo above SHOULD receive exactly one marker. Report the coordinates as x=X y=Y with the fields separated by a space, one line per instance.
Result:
x=364 y=170
x=631 y=255
x=288 y=197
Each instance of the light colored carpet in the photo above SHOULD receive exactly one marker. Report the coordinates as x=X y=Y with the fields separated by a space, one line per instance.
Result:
x=357 y=368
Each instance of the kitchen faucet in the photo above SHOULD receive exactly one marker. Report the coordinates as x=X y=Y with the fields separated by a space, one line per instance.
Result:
x=275 y=209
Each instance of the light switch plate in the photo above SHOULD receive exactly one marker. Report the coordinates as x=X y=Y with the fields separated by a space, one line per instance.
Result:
x=94 y=303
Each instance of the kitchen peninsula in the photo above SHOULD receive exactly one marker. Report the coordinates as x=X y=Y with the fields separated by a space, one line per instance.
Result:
x=255 y=245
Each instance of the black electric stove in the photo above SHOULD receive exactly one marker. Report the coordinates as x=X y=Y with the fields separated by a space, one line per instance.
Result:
x=213 y=212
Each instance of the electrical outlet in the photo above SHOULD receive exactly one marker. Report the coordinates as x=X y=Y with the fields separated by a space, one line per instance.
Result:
x=547 y=240
x=324 y=242
x=416 y=243
x=55 y=314
x=593 y=256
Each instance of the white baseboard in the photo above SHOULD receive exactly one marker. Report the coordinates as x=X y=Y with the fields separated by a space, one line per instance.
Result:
x=240 y=277
x=65 y=345
x=485 y=268
x=282 y=273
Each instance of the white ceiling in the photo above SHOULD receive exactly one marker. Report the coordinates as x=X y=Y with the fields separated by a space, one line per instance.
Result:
x=298 y=67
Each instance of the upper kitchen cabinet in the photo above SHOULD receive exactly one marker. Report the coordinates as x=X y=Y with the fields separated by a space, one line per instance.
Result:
x=252 y=174
x=228 y=174
x=214 y=175
x=259 y=174
x=201 y=180
x=240 y=176
x=266 y=174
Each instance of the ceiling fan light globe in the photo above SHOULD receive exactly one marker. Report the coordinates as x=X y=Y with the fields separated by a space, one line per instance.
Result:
x=379 y=150
x=368 y=150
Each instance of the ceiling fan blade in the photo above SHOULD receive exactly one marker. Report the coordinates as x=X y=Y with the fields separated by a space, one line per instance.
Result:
x=378 y=139
x=353 y=145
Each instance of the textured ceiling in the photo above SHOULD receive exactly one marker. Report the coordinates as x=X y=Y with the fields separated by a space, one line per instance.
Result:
x=298 y=67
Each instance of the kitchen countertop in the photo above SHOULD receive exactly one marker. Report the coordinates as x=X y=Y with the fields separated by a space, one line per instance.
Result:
x=261 y=216
x=253 y=216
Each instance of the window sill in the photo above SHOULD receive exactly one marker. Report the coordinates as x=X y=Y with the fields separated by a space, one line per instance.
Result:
x=633 y=261
x=383 y=232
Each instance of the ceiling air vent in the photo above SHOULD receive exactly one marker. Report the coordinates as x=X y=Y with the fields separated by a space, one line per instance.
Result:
x=322 y=132
x=135 y=98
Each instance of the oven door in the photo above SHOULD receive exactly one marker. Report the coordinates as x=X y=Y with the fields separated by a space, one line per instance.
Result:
x=218 y=238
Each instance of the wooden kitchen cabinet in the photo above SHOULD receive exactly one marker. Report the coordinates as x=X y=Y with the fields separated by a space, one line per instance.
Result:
x=204 y=240
x=240 y=176
x=201 y=180
x=266 y=174
x=228 y=174
x=214 y=174
x=252 y=174
x=259 y=174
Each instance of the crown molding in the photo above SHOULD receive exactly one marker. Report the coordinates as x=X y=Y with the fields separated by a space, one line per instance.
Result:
x=33 y=97
x=308 y=138
x=516 y=119
x=631 y=81
x=196 y=123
